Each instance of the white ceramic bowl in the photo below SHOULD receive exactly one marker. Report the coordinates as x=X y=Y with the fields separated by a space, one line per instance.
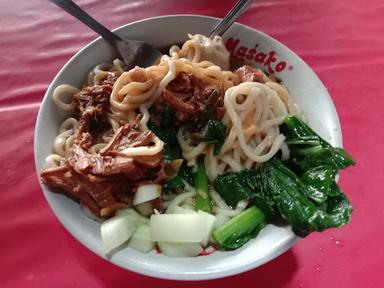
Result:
x=303 y=85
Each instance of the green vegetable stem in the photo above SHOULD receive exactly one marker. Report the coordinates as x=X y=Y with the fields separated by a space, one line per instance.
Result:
x=203 y=199
x=240 y=229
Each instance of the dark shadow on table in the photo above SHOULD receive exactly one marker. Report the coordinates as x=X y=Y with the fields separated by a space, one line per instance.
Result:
x=275 y=274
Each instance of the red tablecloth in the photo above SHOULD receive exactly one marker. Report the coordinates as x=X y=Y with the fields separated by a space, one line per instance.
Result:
x=343 y=41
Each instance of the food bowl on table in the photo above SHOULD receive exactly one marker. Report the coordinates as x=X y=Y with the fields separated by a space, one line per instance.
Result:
x=244 y=42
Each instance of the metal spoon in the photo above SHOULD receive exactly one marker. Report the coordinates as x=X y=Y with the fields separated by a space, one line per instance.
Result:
x=230 y=18
x=133 y=52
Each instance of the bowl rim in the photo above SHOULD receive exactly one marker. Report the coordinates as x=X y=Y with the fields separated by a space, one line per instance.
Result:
x=147 y=271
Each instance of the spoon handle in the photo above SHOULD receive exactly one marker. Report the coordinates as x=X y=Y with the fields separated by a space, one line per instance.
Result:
x=231 y=17
x=72 y=8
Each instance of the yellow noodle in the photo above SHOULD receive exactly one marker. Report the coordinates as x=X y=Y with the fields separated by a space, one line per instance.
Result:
x=254 y=112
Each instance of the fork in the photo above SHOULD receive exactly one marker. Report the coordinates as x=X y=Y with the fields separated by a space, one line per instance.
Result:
x=133 y=52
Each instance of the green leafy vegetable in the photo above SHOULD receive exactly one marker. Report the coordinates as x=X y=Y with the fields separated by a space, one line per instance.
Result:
x=310 y=150
x=306 y=204
x=203 y=199
x=338 y=158
x=167 y=134
x=215 y=133
x=301 y=213
x=240 y=229
x=303 y=141
x=338 y=205
x=236 y=186
x=171 y=150
x=319 y=180
x=176 y=184
x=294 y=128
x=167 y=117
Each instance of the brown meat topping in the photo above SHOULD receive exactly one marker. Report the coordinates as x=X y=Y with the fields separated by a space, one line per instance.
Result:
x=128 y=135
x=95 y=164
x=188 y=96
x=248 y=74
x=93 y=101
x=110 y=79
x=104 y=181
x=96 y=193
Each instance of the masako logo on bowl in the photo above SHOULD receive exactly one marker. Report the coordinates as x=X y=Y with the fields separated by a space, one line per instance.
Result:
x=267 y=58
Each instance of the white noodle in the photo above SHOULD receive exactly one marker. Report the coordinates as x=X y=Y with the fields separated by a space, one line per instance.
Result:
x=53 y=160
x=62 y=96
x=178 y=200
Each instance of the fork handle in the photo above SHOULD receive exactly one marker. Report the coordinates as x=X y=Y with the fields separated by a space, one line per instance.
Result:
x=72 y=8
x=231 y=17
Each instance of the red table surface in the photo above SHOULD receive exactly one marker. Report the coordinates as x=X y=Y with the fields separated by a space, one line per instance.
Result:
x=343 y=41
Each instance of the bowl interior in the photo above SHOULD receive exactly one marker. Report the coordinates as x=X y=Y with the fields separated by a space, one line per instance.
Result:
x=304 y=87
